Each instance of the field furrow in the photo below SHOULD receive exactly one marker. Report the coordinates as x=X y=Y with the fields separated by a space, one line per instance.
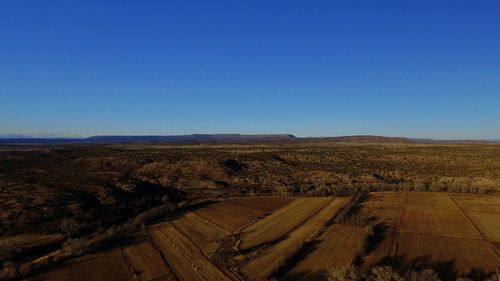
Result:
x=109 y=266
x=187 y=261
x=338 y=246
x=272 y=258
x=263 y=204
x=438 y=221
x=201 y=231
x=488 y=222
x=280 y=222
x=229 y=216
x=147 y=262
x=430 y=200
x=478 y=202
x=462 y=253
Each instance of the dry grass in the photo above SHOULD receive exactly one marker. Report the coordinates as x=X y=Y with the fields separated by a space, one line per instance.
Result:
x=430 y=200
x=438 y=221
x=109 y=266
x=146 y=262
x=386 y=248
x=489 y=223
x=186 y=260
x=263 y=204
x=201 y=231
x=478 y=202
x=267 y=262
x=337 y=247
x=464 y=253
x=229 y=216
x=281 y=222
x=384 y=208
x=432 y=227
x=383 y=200
x=428 y=227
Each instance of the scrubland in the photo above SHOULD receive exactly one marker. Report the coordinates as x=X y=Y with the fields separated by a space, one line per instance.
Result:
x=247 y=211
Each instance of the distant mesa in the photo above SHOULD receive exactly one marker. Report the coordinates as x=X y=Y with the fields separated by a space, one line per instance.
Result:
x=366 y=138
x=222 y=138
x=194 y=138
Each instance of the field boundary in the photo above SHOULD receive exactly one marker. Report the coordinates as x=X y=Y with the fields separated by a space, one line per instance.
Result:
x=211 y=223
x=398 y=226
x=320 y=231
x=165 y=261
x=201 y=251
x=478 y=229
x=430 y=207
x=129 y=266
x=440 y=234
x=263 y=246
x=238 y=231
x=263 y=216
x=258 y=246
x=196 y=213
x=290 y=261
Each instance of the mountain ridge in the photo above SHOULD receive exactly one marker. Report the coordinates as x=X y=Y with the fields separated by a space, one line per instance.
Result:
x=226 y=138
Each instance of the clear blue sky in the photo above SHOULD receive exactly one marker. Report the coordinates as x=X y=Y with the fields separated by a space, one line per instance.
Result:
x=311 y=68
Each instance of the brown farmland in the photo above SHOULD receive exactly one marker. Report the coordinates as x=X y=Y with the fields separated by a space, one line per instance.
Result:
x=185 y=259
x=281 y=222
x=339 y=246
x=146 y=262
x=462 y=253
x=446 y=222
x=147 y=210
x=275 y=256
x=229 y=216
x=102 y=266
x=299 y=238
x=263 y=204
x=435 y=229
x=202 y=232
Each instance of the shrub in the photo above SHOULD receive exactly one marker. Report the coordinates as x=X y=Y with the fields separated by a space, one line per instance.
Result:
x=495 y=276
x=384 y=273
x=25 y=269
x=343 y=273
x=76 y=247
x=70 y=227
x=10 y=269
x=152 y=214
x=424 y=275
x=9 y=252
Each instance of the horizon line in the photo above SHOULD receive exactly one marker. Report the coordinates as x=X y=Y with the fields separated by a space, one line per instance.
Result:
x=49 y=136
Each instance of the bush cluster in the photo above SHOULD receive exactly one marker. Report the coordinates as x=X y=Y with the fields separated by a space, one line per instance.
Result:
x=387 y=273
